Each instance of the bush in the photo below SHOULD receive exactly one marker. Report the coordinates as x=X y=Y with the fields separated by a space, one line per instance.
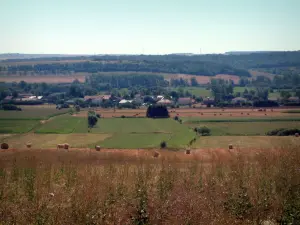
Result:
x=283 y=132
x=157 y=111
x=163 y=144
x=98 y=115
x=204 y=131
x=11 y=107
x=176 y=118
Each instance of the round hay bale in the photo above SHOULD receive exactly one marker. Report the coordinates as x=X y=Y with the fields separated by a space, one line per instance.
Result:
x=98 y=148
x=230 y=146
x=248 y=114
x=230 y=114
x=28 y=145
x=201 y=113
x=296 y=134
x=242 y=113
x=215 y=114
x=4 y=146
x=188 y=151
x=66 y=146
x=155 y=154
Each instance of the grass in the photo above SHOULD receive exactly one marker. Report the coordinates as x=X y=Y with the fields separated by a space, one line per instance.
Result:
x=64 y=124
x=124 y=132
x=245 y=128
x=48 y=141
x=16 y=126
x=83 y=187
x=37 y=113
x=245 y=142
x=134 y=141
x=242 y=89
x=197 y=120
x=197 y=91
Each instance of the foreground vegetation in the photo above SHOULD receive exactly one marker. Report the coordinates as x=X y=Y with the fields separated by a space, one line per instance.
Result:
x=52 y=187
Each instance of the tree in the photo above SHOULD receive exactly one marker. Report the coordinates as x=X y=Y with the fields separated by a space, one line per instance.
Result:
x=15 y=94
x=92 y=119
x=157 y=111
x=194 y=82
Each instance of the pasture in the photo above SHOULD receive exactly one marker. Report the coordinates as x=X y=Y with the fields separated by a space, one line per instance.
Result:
x=38 y=112
x=17 y=126
x=245 y=128
x=246 y=142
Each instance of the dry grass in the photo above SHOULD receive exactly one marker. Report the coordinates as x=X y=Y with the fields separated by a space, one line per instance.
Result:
x=54 y=79
x=84 y=187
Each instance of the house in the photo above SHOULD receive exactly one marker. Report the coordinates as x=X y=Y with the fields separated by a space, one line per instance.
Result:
x=97 y=99
x=293 y=99
x=185 y=101
x=164 y=102
x=208 y=101
x=238 y=100
x=8 y=98
x=123 y=101
x=159 y=97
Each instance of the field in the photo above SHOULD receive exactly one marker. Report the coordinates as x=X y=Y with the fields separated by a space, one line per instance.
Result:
x=112 y=187
x=245 y=128
x=197 y=91
x=32 y=112
x=45 y=129
x=54 y=79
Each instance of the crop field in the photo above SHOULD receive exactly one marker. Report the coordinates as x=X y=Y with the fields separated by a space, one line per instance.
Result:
x=197 y=91
x=123 y=132
x=245 y=128
x=17 y=126
x=32 y=112
x=50 y=141
x=53 y=79
x=246 y=142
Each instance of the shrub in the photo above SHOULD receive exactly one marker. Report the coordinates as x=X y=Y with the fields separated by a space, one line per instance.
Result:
x=157 y=111
x=283 y=132
x=163 y=144
x=204 y=131
x=11 y=107
x=176 y=118
x=98 y=115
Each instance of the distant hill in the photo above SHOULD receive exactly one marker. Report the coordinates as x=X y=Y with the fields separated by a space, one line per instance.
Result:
x=33 y=56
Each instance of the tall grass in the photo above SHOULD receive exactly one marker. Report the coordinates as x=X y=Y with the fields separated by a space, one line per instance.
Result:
x=49 y=187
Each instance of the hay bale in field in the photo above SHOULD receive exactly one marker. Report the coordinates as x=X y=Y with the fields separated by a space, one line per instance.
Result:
x=248 y=114
x=4 y=146
x=66 y=146
x=230 y=146
x=188 y=151
x=215 y=114
x=201 y=113
x=265 y=114
x=242 y=113
x=155 y=154
x=220 y=114
x=230 y=114
x=98 y=148
x=28 y=145
x=296 y=134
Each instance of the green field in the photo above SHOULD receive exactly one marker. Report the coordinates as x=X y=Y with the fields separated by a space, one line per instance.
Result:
x=245 y=128
x=197 y=91
x=246 y=142
x=38 y=113
x=16 y=126
x=242 y=89
x=124 y=132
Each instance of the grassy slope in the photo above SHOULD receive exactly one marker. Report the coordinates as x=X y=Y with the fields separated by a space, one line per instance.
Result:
x=246 y=142
x=246 y=128
x=31 y=113
x=17 y=126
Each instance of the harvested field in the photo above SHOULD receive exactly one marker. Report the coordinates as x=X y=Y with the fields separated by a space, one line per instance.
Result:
x=50 y=141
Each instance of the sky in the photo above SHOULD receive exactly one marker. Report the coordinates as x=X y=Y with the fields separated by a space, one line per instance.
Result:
x=148 y=27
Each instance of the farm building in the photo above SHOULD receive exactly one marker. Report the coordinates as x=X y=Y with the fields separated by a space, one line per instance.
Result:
x=238 y=100
x=96 y=99
x=123 y=101
x=293 y=99
x=164 y=102
x=185 y=101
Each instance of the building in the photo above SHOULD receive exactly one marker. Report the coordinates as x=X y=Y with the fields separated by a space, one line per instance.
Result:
x=185 y=101
x=123 y=101
x=97 y=99
x=293 y=99
x=238 y=100
x=164 y=102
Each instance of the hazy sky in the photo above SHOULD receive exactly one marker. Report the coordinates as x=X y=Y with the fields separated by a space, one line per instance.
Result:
x=149 y=27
